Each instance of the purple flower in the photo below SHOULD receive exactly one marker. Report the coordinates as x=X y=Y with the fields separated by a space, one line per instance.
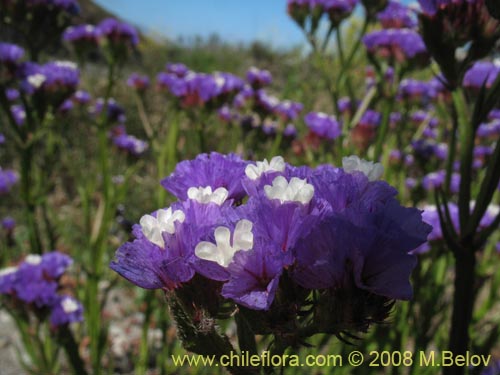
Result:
x=254 y=277
x=10 y=54
x=481 y=73
x=258 y=78
x=323 y=125
x=173 y=83
x=370 y=119
x=117 y=32
x=114 y=111
x=214 y=170
x=52 y=83
x=84 y=35
x=8 y=178
x=35 y=280
x=397 y=45
x=397 y=16
x=2 y=139
x=337 y=10
x=81 y=97
x=288 y=110
x=8 y=223
x=130 y=144
x=162 y=255
x=66 y=310
x=12 y=94
x=344 y=105
x=290 y=131
x=177 y=69
x=325 y=228
x=366 y=238
x=138 y=82
x=266 y=101
x=416 y=90
x=430 y=216
x=19 y=114
x=433 y=180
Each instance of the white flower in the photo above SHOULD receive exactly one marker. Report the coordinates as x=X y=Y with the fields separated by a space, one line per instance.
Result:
x=69 y=305
x=222 y=252
x=36 y=80
x=277 y=164
x=297 y=190
x=153 y=227
x=370 y=169
x=205 y=195
x=33 y=259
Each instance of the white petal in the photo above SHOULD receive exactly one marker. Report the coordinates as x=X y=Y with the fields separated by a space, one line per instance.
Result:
x=207 y=251
x=277 y=164
x=219 y=196
x=243 y=236
x=305 y=194
x=33 y=259
x=252 y=172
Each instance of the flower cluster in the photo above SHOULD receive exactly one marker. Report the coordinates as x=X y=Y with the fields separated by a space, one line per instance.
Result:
x=397 y=16
x=335 y=10
x=116 y=38
x=326 y=228
x=34 y=284
x=8 y=178
x=126 y=142
x=323 y=125
x=397 y=46
x=198 y=89
x=435 y=238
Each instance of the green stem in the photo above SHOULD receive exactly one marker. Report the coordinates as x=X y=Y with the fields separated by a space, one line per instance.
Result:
x=467 y=135
x=142 y=362
x=452 y=151
x=66 y=339
x=96 y=331
x=384 y=127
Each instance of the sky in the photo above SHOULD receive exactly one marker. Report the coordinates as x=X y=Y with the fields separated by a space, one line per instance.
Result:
x=233 y=20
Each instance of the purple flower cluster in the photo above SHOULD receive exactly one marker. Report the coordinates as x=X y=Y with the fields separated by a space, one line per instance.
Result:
x=197 y=89
x=10 y=56
x=115 y=36
x=10 y=53
x=430 y=216
x=57 y=79
x=418 y=91
x=116 y=32
x=35 y=283
x=336 y=10
x=258 y=78
x=114 y=111
x=323 y=125
x=397 y=16
x=126 y=142
x=397 y=45
x=326 y=228
x=82 y=35
x=138 y=82
x=481 y=73
x=8 y=178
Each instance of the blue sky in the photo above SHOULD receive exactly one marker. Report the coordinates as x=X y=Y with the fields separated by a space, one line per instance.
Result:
x=233 y=20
